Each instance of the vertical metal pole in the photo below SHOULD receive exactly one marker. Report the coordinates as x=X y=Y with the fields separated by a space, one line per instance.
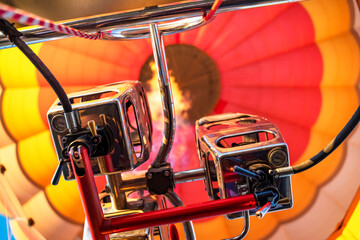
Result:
x=188 y=226
x=114 y=183
x=118 y=198
x=164 y=229
x=166 y=95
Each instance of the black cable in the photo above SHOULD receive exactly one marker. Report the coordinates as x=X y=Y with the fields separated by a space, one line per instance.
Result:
x=339 y=139
x=14 y=37
x=344 y=133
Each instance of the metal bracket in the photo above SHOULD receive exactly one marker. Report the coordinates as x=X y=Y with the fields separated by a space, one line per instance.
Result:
x=245 y=229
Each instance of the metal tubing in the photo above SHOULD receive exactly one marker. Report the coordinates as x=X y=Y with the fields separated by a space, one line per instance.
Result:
x=178 y=214
x=163 y=229
x=88 y=191
x=114 y=182
x=118 y=198
x=189 y=175
x=188 y=226
x=165 y=29
x=263 y=210
x=136 y=180
x=246 y=173
x=245 y=229
x=107 y=22
x=166 y=95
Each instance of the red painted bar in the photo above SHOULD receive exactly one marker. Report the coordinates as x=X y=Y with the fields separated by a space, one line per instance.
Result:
x=178 y=214
x=89 y=197
x=100 y=227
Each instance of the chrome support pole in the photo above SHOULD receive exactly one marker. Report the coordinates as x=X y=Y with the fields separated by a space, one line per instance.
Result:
x=120 y=20
x=163 y=229
x=113 y=183
x=166 y=95
x=118 y=198
x=188 y=226
x=137 y=181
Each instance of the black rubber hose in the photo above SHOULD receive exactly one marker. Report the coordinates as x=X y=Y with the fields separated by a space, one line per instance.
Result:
x=14 y=36
x=344 y=133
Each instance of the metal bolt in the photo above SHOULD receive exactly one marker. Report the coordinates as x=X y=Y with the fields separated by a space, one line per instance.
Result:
x=76 y=154
x=166 y=173
x=64 y=139
x=169 y=190
x=149 y=176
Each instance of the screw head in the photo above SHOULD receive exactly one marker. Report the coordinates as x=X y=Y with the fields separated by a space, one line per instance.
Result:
x=166 y=173
x=149 y=176
x=169 y=190
x=76 y=154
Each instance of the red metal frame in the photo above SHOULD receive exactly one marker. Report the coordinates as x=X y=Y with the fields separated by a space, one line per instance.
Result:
x=89 y=196
x=100 y=227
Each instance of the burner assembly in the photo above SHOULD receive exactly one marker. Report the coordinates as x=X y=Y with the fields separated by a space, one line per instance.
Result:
x=107 y=131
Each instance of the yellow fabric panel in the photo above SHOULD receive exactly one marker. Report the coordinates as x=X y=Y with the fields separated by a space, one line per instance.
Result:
x=353 y=225
x=21 y=113
x=330 y=18
x=16 y=70
x=338 y=106
x=66 y=200
x=339 y=96
x=341 y=61
x=4 y=138
x=37 y=158
x=352 y=229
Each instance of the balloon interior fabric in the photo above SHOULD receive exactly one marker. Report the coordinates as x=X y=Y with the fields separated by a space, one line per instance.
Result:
x=295 y=64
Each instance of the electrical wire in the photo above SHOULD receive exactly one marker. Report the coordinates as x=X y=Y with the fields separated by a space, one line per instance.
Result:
x=337 y=141
x=14 y=36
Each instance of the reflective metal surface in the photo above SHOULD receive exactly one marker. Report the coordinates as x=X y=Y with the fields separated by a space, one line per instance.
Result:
x=121 y=20
x=131 y=135
x=118 y=198
x=165 y=29
x=245 y=229
x=188 y=226
x=166 y=95
x=136 y=180
x=147 y=204
x=227 y=142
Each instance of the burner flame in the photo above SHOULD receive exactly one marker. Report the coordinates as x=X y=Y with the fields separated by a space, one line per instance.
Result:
x=181 y=99
x=183 y=150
